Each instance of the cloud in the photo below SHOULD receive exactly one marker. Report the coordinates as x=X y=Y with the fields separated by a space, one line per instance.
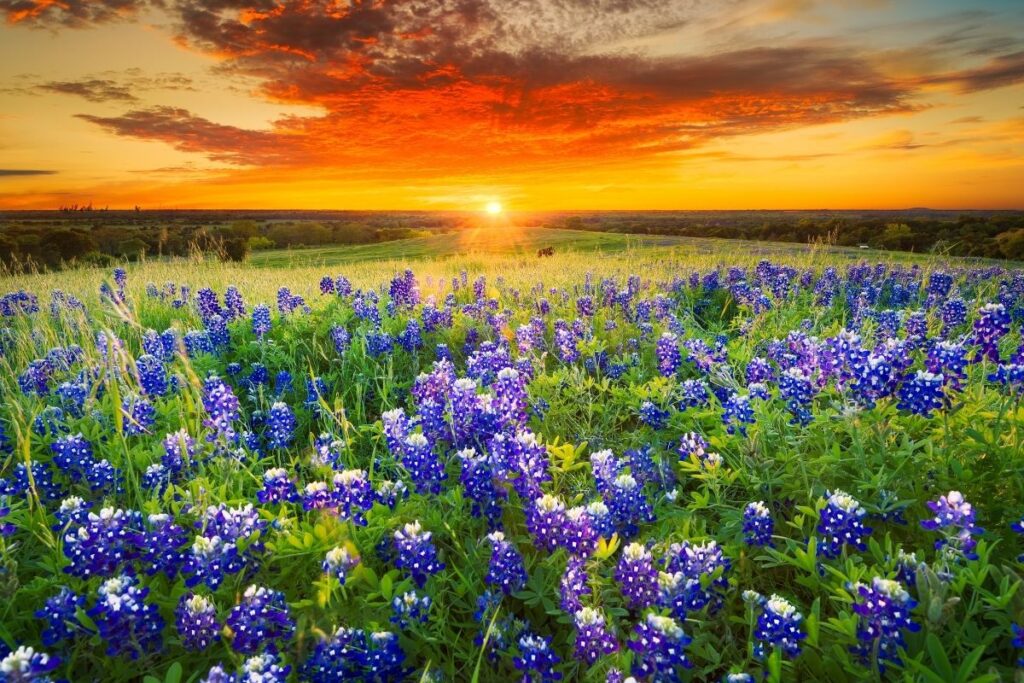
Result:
x=71 y=13
x=997 y=72
x=94 y=90
x=16 y=172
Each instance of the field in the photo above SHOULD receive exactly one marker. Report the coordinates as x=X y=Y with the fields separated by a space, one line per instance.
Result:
x=447 y=459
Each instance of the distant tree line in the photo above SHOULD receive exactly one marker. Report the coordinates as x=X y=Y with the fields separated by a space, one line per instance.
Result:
x=989 y=235
x=53 y=244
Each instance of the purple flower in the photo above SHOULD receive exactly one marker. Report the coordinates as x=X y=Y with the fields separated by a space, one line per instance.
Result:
x=546 y=521
x=125 y=620
x=593 y=637
x=138 y=415
x=921 y=393
x=416 y=552
x=574 y=584
x=758 y=525
x=954 y=517
x=280 y=426
x=778 y=625
x=277 y=487
x=506 y=569
x=884 y=609
x=196 y=621
x=60 y=614
x=841 y=524
x=536 y=660
x=221 y=406
x=353 y=495
x=410 y=608
x=669 y=357
x=637 y=577
x=339 y=562
x=25 y=665
x=261 y=320
x=659 y=647
x=260 y=620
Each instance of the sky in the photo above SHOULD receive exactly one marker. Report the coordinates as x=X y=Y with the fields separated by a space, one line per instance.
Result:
x=534 y=104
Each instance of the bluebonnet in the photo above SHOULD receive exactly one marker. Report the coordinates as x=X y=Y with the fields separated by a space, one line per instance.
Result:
x=536 y=659
x=637 y=577
x=991 y=325
x=261 y=320
x=628 y=505
x=160 y=545
x=260 y=620
x=546 y=521
x=668 y=355
x=41 y=482
x=780 y=625
x=424 y=467
x=196 y=621
x=659 y=648
x=354 y=654
x=478 y=481
x=339 y=562
x=593 y=637
x=652 y=415
x=409 y=608
x=921 y=393
x=954 y=517
x=103 y=544
x=737 y=413
x=222 y=408
x=353 y=495
x=884 y=610
x=60 y=615
x=138 y=415
x=841 y=523
x=693 y=393
x=215 y=553
x=416 y=552
x=388 y=493
x=574 y=584
x=758 y=525
x=73 y=456
x=341 y=339
x=280 y=426
x=277 y=487
x=25 y=665
x=128 y=623
x=505 y=570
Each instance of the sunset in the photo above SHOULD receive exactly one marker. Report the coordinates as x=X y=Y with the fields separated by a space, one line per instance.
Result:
x=512 y=341
x=625 y=104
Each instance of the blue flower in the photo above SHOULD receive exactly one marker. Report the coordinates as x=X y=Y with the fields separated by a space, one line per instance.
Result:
x=25 y=665
x=593 y=637
x=260 y=620
x=339 y=562
x=125 y=620
x=637 y=577
x=196 y=621
x=778 y=625
x=659 y=647
x=884 y=609
x=954 y=517
x=536 y=659
x=506 y=569
x=758 y=525
x=416 y=552
x=841 y=524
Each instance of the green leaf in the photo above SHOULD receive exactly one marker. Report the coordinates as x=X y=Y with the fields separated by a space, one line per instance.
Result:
x=938 y=657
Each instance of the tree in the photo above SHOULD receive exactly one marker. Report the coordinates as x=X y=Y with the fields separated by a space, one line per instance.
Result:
x=1011 y=244
x=235 y=249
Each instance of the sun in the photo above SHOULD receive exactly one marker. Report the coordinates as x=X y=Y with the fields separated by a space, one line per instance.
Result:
x=493 y=208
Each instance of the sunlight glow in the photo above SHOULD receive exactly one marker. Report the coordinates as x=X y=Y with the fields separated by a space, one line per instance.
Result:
x=493 y=208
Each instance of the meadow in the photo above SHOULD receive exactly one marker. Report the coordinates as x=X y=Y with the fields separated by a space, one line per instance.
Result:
x=447 y=459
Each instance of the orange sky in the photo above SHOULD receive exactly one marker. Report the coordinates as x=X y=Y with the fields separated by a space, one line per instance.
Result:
x=537 y=104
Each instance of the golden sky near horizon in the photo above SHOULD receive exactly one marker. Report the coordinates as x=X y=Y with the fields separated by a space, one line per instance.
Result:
x=536 y=104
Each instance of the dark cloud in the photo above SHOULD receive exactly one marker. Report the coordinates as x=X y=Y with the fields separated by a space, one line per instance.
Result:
x=93 y=89
x=72 y=13
x=13 y=172
x=997 y=72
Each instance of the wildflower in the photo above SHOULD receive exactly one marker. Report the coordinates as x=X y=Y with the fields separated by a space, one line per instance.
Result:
x=778 y=625
x=921 y=393
x=260 y=320
x=884 y=610
x=593 y=638
x=353 y=495
x=60 y=614
x=506 y=570
x=409 y=608
x=659 y=647
x=125 y=620
x=416 y=552
x=277 y=487
x=339 y=562
x=841 y=524
x=758 y=525
x=25 y=665
x=954 y=517
x=546 y=521
x=637 y=577
x=536 y=660
x=260 y=620
x=668 y=355
x=425 y=468
x=196 y=621
x=280 y=426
